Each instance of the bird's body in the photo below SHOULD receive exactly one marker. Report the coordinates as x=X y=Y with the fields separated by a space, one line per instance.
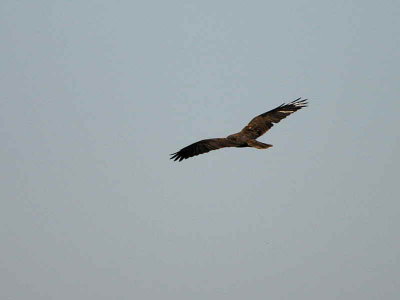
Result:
x=247 y=136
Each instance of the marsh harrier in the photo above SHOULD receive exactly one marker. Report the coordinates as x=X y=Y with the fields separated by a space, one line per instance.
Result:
x=247 y=136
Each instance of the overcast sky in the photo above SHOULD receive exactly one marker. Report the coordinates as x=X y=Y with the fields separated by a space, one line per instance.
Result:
x=95 y=95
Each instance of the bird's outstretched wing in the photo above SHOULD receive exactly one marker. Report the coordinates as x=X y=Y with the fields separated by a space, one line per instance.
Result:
x=201 y=147
x=262 y=123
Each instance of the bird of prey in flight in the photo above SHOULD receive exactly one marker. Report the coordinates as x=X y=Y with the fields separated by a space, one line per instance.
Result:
x=247 y=136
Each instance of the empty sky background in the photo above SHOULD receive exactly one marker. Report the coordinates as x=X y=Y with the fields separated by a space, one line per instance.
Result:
x=96 y=94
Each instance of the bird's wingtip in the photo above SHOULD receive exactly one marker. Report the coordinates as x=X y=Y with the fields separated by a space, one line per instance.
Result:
x=300 y=102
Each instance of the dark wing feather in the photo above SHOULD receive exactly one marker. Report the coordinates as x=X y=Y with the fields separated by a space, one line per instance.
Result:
x=201 y=147
x=262 y=123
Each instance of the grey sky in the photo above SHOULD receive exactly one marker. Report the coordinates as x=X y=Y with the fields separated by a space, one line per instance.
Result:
x=96 y=94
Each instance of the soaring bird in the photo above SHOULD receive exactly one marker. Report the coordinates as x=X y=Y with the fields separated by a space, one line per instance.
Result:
x=247 y=136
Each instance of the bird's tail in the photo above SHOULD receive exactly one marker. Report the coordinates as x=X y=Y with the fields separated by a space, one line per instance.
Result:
x=258 y=145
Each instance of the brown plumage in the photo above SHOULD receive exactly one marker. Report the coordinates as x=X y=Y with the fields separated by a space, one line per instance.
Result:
x=247 y=136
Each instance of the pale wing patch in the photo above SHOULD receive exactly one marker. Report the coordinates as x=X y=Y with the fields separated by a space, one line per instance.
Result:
x=286 y=111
